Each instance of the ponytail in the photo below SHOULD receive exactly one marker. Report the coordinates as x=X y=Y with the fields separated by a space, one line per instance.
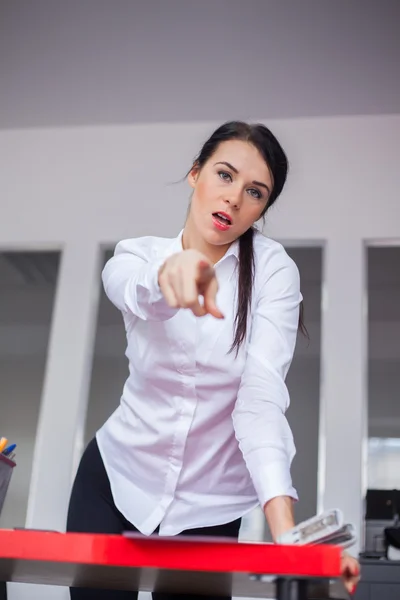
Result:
x=245 y=292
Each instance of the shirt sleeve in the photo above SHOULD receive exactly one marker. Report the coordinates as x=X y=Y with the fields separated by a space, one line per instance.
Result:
x=130 y=280
x=261 y=427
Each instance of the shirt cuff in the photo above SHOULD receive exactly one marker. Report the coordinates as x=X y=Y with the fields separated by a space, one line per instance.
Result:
x=273 y=480
x=150 y=281
x=150 y=301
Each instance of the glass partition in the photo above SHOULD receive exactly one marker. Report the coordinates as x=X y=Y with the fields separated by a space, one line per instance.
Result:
x=28 y=282
x=110 y=367
x=304 y=382
x=383 y=367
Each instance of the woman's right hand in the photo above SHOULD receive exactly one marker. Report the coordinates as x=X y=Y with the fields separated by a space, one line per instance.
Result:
x=184 y=277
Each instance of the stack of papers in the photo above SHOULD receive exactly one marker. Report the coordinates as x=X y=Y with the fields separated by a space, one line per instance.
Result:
x=327 y=528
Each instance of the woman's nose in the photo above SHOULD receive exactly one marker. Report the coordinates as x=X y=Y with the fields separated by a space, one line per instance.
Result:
x=233 y=199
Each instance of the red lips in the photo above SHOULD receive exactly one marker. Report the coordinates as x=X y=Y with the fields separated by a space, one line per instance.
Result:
x=222 y=220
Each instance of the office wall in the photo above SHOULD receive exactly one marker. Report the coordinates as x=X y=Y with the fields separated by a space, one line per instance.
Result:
x=79 y=188
x=101 y=183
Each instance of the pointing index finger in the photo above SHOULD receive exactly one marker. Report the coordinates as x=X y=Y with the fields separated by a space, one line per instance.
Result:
x=206 y=272
x=210 y=294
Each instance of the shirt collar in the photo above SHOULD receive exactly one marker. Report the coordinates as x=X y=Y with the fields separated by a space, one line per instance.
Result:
x=176 y=246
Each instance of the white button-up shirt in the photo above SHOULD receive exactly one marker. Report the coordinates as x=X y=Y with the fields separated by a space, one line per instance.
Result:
x=200 y=436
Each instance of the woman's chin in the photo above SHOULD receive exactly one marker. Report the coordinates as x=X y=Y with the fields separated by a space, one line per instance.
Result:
x=219 y=238
x=213 y=235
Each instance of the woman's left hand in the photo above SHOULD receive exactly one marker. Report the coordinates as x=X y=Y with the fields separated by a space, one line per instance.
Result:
x=350 y=572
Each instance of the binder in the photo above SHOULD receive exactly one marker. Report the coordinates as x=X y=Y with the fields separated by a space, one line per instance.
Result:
x=326 y=528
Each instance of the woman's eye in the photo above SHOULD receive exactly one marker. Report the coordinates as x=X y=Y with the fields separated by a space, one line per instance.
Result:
x=255 y=193
x=225 y=176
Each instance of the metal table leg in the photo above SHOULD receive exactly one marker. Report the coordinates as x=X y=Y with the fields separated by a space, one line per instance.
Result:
x=283 y=589
x=302 y=589
x=292 y=589
x=3 y=590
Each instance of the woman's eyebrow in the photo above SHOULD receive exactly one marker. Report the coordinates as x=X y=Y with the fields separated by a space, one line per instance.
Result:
x=237 y=172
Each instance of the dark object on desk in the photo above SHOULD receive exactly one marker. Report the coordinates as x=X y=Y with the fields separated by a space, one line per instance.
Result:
x=392 y=535
x=6 y=471
x=392 y=543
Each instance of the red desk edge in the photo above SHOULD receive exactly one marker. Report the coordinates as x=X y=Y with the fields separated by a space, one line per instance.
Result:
x=166 y=553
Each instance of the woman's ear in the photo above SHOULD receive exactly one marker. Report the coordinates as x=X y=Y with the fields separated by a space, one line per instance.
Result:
x=193 y=175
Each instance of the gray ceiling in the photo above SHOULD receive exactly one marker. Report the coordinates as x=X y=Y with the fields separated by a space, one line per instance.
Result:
x=129 y=61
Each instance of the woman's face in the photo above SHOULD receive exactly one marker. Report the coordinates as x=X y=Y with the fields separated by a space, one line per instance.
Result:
x=230 y=192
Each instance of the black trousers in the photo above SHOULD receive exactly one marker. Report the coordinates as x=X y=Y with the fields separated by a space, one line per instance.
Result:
x=92 y=510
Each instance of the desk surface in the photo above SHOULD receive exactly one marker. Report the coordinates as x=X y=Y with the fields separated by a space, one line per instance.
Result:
x=159 y=563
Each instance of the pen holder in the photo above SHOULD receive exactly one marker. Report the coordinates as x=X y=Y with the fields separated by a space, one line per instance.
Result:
x=6 y=470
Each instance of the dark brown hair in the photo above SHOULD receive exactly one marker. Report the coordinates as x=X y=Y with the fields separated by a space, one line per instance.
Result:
x=270 y=149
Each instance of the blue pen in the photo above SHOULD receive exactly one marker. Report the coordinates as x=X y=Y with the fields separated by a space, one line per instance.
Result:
x=10 y=449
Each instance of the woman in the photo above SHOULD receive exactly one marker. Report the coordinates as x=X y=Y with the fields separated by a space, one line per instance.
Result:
x=200 y=436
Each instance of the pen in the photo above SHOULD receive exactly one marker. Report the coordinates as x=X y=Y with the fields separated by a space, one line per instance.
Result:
x=9 y=449
x=3 y=443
